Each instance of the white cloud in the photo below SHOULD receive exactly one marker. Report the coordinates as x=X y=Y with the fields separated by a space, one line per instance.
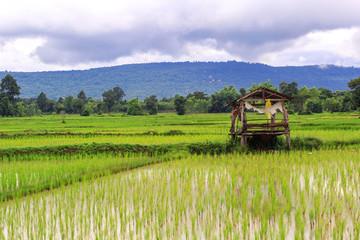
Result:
x=319 y=47
x=83 y=34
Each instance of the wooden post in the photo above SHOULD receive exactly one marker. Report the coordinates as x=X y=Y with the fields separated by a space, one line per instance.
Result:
x=245 y=127
x=233 y=119
x=287 y=130
x=242 y=140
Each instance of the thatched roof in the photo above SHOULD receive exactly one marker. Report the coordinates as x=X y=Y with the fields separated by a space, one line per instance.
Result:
x=262 y=94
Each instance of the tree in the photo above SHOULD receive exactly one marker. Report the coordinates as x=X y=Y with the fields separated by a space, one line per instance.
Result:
x=119 y=94
x=109 y=99
x=30 y=110
x=41 y=102
x=9 y=88
x=242 y=91
x=100 y=108
x=198 y=95
x=314 y=106
x=314 y=93
x=180 y=105
x=151 y=104
x=221 y=98
x=325 y=93
x=290 y=89
x=134 y=107
x=190 y=103
x=266 y=84
x=68 y=104
x=81 y=95
x=19 y=110
x=78 y=105
x=354 y=85
x=332 y=105
x=301 y=98
x=201 y=106
x=86 y=111
x=6 y=108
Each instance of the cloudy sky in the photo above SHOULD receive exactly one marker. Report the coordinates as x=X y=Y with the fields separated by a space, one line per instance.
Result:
x=41 y=35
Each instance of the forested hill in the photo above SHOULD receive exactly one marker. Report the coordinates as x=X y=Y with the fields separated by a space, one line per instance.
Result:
x=168 y=79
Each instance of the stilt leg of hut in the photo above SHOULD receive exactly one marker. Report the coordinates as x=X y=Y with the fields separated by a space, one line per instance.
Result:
x=287 y=135
x=243 y=140
x=243 y=122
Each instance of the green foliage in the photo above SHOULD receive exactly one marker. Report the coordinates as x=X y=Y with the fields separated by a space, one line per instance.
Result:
x=68 y=104
x=30 y=110
x=300 y=99
x=266 y=142
x=82 y=96
x=332 y=105
x=6 y=108
x=354 y=85
x=20 y=110
x=306 y=143
x=266 y=84
x=42 y=102
x=119 y=94
x=9 y=88
x=290 y=89
x=134 y=107
x=305 y=112
x=87 y=111
x=214 y=148
x=314 y=106
x=78 y=105
x=242 y=92
x=109 y=99
x=166 y=106
x=201 y=106
x=151 y=105
x=221 y=98
x=180 y=106
x=198 y=95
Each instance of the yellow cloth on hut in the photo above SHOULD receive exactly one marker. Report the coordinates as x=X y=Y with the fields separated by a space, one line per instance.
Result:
x=267 y=105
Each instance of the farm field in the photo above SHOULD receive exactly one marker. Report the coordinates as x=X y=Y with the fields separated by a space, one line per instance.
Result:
x=108 y=177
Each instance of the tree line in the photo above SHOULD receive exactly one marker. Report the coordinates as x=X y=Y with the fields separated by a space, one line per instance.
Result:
x=306 y=101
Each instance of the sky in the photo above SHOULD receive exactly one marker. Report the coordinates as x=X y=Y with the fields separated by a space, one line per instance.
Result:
x=41 y=35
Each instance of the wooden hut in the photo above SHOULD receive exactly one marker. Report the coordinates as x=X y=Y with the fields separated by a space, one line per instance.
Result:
x=265 y=101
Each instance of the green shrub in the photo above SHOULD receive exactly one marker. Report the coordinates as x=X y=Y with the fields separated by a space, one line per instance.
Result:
x=87 y=111
x=306 y=143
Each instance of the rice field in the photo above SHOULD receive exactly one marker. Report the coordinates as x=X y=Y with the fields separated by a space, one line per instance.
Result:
x=171 y=193
x=278 y=196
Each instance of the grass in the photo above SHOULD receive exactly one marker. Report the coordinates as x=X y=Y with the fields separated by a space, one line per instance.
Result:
x=297 y=195
x=70 y=180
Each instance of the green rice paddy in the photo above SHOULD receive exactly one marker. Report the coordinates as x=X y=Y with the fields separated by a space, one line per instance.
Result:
x=82 y=179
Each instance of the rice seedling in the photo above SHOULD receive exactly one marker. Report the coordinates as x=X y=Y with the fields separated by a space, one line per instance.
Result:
x=202 y=196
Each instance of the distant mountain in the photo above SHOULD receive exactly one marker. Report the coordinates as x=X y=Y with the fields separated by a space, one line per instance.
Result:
x=168 y=79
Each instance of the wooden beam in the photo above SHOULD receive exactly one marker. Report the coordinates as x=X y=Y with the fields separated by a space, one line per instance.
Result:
x=259 y=99
x=266 y=125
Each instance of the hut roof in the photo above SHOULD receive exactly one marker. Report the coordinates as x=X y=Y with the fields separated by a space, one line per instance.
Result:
x=262 y=94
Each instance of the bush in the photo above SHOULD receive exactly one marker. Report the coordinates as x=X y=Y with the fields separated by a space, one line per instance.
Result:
x=305 y=112
x=266 y=142
x=87 y=111
x=306 y=143
x=134 y=107
x=180 y=105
